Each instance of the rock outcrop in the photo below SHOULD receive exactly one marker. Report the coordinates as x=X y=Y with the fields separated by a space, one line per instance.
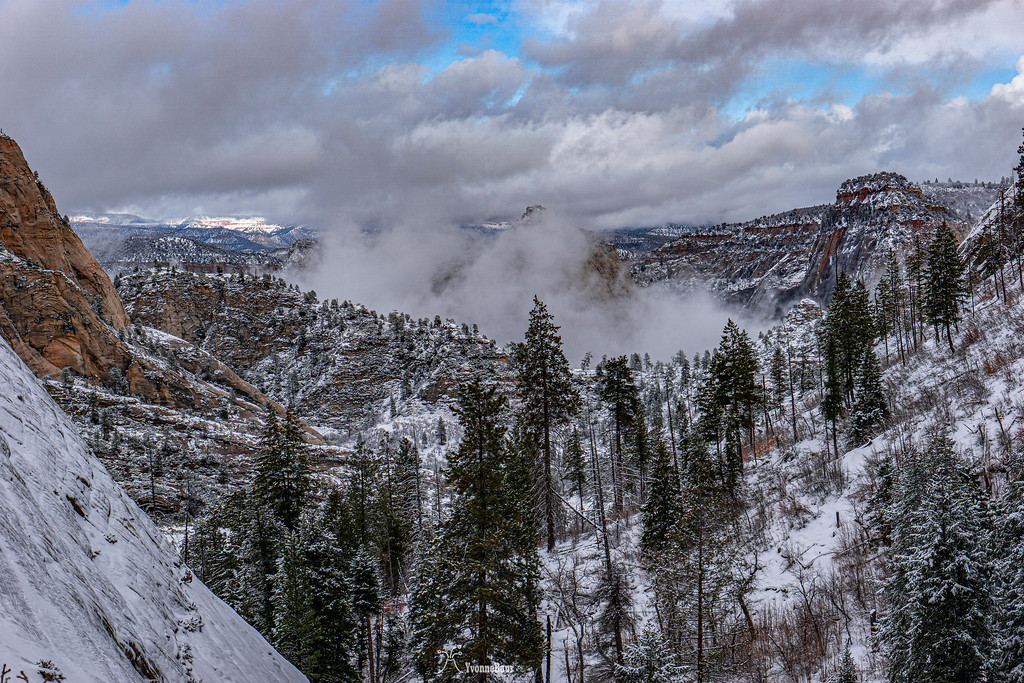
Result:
x=59 y=308
x=62 y=315
x=338 y=365
x=771 y=262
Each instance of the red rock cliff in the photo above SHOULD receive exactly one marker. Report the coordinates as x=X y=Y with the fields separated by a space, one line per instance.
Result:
x=58 y=308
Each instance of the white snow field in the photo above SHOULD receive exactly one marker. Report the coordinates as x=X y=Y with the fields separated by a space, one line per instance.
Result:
x=87 y=582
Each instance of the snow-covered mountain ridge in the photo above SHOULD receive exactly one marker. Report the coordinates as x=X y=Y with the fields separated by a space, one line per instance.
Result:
x=768 y=263
x=87 y=581
x=121 y=241
x=339 y=365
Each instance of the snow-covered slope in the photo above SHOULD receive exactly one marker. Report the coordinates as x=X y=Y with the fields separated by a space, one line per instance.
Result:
x=87 y=581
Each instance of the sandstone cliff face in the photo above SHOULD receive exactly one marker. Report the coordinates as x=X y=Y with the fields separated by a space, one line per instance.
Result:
x=338 y=365
x=769 y=263
x=605 y=275
x=60 y=309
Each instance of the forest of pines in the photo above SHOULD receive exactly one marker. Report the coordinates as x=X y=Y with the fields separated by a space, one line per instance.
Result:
x=461 y=569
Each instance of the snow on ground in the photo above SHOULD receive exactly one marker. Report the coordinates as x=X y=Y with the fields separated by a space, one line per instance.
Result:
x=87 y=581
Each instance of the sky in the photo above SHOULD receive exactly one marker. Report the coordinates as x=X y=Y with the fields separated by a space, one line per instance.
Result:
x=402 y=118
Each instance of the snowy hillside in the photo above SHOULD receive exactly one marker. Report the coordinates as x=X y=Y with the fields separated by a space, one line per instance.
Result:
x=88 y=584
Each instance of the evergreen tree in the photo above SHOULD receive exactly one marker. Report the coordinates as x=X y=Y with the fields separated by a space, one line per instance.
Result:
x=618 y=391
x=647 y=661
x=916 y=261
x=366 y=603
x=639 y=450
x=614 y=594
x=363 y=493
x=832 y=400
x=441 y=433
x=488 y=580
x=408 y=484
x=396 y=514
x=849 y=330
x=893 y=300
x=434 y=625
x=575 y=464
x=210 y=556
x=282 y=478
x=988 y=252
x=847 y=672
x=1017 y=216
x=882 y=311
x=696 y=571
x=256 y=544
x=777 y=372
x=1009 y=566
x=728 y=400
x=663 y=507
x=549 y=396
x=945 y=285
x=295 y=621
x=938 y=590
x=870 y=408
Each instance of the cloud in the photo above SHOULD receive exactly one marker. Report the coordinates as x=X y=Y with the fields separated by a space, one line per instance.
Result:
x=349 y=117
x=313 y=110
x=482 y=19
x=491 y=281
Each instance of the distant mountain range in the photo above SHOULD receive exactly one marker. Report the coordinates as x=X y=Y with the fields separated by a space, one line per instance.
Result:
x=120 y=241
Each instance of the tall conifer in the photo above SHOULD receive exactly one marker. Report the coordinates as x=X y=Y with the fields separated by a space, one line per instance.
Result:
x=549 y=397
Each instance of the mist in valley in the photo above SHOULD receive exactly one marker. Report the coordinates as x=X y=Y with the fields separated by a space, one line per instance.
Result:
x=490 y=280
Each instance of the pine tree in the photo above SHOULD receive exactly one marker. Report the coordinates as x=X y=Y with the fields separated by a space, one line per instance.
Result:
x=939 y=588
x=1009 y=565
x=916 y=261
x=870 y=408
x=832 y=400
x=639 y=449
x=663 y=507
x=363 y=493
x=1017 y=216
x=648 y=661
x=614 y=594
x=282 y=478
x=847 y=672
x=575 y=469
x=441 y=433
x=549 y=397
x=945 y=285
x=850 y=330
x=295 y=621
x=366 y=603
x=488 y=579
x=777 y=372
x=210 y=557
x=408 y=484
x=397 y=517
x=256 y=544
x=618 y=391
x=729 y=397
x=698 y=566
x=433 y=625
